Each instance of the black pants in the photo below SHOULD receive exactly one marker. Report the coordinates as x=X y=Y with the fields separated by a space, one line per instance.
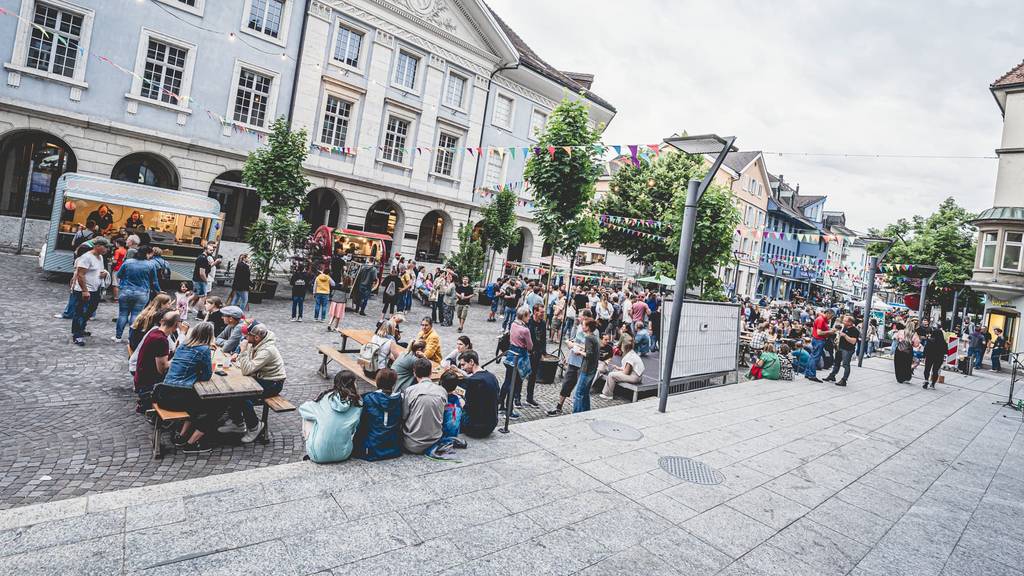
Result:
x=844 y=362
x=932 y=365
x=203 y=413
x=531 y=382
x=387 y=306
x=511 y=374
x=572 y=375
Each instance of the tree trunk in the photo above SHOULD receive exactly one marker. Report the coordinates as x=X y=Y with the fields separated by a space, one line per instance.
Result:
x=551 y=274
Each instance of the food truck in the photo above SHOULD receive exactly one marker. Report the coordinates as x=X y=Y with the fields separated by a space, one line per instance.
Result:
x=357 y=246
x=179 y=223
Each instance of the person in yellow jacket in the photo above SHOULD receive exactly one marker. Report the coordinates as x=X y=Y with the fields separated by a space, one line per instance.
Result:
x=322 y=294
x=429 y=336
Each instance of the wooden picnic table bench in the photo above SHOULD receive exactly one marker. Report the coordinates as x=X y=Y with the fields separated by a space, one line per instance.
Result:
x=233 y=386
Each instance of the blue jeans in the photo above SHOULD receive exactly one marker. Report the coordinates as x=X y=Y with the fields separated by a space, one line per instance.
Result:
x=84 y=309
x=243 y=411
x=407 y=301
x=321 y=303
x=567 y=327
x=240 y=299
x=817 y=346
x=362 y=297
x=510 y=317
x=69 y=310
x=978 y=354
x=129 y=303
x=581 y=394
x=297 y=303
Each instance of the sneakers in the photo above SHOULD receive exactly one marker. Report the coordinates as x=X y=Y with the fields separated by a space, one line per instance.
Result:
x=556 y=411
x=532 y=403
x=78 y=341
x=61 y=317
x=460 y=444
x=117 y=340
x=841 y=383
x=517 y=403
x=604 y=397
x=925 y=385
x=292 y=320
x=251 y=435
x=179 y=441
x=231 y=428
x=299 y=319
x=813 y=379
x=829 y=379
x=197 y=448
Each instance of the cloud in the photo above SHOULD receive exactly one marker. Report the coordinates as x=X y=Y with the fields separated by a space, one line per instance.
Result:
x=867 y=77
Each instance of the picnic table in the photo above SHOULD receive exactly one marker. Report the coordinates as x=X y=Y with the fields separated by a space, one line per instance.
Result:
x=364 y=384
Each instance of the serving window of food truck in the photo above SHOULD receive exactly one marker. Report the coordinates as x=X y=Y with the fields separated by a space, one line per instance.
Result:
x=179 y=223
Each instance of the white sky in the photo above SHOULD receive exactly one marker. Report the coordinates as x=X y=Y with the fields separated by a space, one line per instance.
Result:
x=834 y=76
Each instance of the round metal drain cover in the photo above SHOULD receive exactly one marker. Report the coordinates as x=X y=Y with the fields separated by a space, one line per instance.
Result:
x=616 y=430
x=690 y=470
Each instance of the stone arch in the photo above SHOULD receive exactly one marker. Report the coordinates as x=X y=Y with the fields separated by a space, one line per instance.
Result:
x=434 y=239
x=47 y=156
x=386 y=217
x=325 y=206
x=147 y=168
x=239 y=203
x=521 y=250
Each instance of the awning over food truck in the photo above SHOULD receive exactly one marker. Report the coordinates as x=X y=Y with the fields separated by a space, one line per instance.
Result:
x=135 y=195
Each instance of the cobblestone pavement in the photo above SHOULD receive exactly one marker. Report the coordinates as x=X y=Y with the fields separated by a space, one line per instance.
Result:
x=67 y=421
x=875 y=479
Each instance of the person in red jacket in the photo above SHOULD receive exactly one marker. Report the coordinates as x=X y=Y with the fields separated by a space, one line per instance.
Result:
x=820 y=332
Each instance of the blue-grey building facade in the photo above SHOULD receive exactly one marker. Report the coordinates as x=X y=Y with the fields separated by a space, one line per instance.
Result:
x=171 y=93
x=792 y=262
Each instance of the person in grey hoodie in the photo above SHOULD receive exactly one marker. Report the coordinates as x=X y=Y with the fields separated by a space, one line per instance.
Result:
x=422 y=410
x=261 y=360
x=231 y=336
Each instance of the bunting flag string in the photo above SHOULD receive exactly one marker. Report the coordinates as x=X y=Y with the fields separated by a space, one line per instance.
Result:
x=611 y=226
x=627 y=221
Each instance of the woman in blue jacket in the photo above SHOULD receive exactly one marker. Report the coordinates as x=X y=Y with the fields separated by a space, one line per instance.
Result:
x=137 y=280
x=330 y=422
x=192 y=363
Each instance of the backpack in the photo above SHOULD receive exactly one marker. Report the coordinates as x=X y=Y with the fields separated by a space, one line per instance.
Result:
x=369 y=356
x=389 y=291
x=380 y=429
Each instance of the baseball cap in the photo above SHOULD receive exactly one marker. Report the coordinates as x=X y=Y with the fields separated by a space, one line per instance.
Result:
x=101 y=241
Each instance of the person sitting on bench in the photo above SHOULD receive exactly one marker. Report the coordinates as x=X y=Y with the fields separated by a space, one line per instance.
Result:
x=261 y=360
x=631 y=372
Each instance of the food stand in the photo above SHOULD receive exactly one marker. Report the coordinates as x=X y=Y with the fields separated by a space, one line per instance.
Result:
x=356 y=246
x=179 y=223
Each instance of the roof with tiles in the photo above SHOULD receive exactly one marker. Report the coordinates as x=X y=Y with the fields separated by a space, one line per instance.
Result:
x=1011 y=78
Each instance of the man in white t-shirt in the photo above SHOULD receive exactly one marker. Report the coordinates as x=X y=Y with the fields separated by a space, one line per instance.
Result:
x=86 y=286
x=631 y=372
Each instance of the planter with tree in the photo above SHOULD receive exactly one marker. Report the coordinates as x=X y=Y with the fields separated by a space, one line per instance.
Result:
x=275 y=171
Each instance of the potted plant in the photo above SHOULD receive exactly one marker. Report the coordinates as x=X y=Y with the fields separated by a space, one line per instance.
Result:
x=275 y=171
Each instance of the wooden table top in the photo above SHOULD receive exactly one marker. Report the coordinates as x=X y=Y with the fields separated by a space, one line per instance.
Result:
x=234 y=385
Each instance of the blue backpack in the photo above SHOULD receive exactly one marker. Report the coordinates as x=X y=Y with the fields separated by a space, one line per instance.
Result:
x=381 y=427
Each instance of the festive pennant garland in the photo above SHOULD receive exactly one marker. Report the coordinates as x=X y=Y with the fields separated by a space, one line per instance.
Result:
x=630 y=231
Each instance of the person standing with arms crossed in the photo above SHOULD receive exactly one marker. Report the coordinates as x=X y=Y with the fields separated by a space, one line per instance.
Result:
x=464 y=296
x=934 y=355
x=819 y=333
x=847 y=344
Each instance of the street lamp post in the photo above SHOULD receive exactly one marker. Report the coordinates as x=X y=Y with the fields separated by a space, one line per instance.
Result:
x=706 y=144
x=869 y=296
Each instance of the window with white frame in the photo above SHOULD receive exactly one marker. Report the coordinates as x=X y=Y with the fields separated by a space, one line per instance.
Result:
x=494 y=173
x=266 y=16
x=252 y=97
x=193 y=6
x=348 y=44
x=455 y=91
x=54 y=40
x=989 y=243
x=444 y=158
x=395 y=137
x=1012 y=244
x=163 y=71
x=406 y=70
x=335 y=125
x=502 y=116
x=538 y=120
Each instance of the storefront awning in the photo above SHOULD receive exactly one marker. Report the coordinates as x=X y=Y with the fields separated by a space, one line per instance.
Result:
x=87 y=187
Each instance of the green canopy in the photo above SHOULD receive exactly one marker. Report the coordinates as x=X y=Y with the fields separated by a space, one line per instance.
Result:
x=663 y=280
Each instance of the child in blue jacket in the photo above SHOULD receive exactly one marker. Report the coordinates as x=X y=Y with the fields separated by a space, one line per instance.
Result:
x=379 y=436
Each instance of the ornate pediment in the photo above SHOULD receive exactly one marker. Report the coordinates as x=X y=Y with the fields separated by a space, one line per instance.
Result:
x=436 y=12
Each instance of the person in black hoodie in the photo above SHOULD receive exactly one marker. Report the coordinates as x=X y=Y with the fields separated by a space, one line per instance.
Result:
x=539 y=334
x=300 y=286
x=934 y=354
x=240 y=283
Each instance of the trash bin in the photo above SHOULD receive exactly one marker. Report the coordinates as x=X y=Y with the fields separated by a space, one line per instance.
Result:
x=548 y=369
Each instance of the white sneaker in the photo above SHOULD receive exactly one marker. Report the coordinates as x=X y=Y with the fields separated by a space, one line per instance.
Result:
x=251 y=435
x=117 y=340
x=605 y=397
x=58 y=316
x=298 y=319
x=292 y=320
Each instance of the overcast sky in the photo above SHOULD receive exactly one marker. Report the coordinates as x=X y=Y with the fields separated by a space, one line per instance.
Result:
x=907 y=77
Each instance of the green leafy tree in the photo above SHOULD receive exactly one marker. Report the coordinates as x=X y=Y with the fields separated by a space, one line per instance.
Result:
x=275 y=171
x=944 y=239
x=563 y=183
x=656 y=190
x=468 y=260
x=500 y=229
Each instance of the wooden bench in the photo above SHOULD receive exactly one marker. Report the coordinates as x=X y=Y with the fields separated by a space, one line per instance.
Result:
x=364 y=384
x=161 y=416
x=276 y=403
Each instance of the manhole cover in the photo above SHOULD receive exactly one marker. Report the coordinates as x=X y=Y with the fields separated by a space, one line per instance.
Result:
x=690 y=470
x=616 y=430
